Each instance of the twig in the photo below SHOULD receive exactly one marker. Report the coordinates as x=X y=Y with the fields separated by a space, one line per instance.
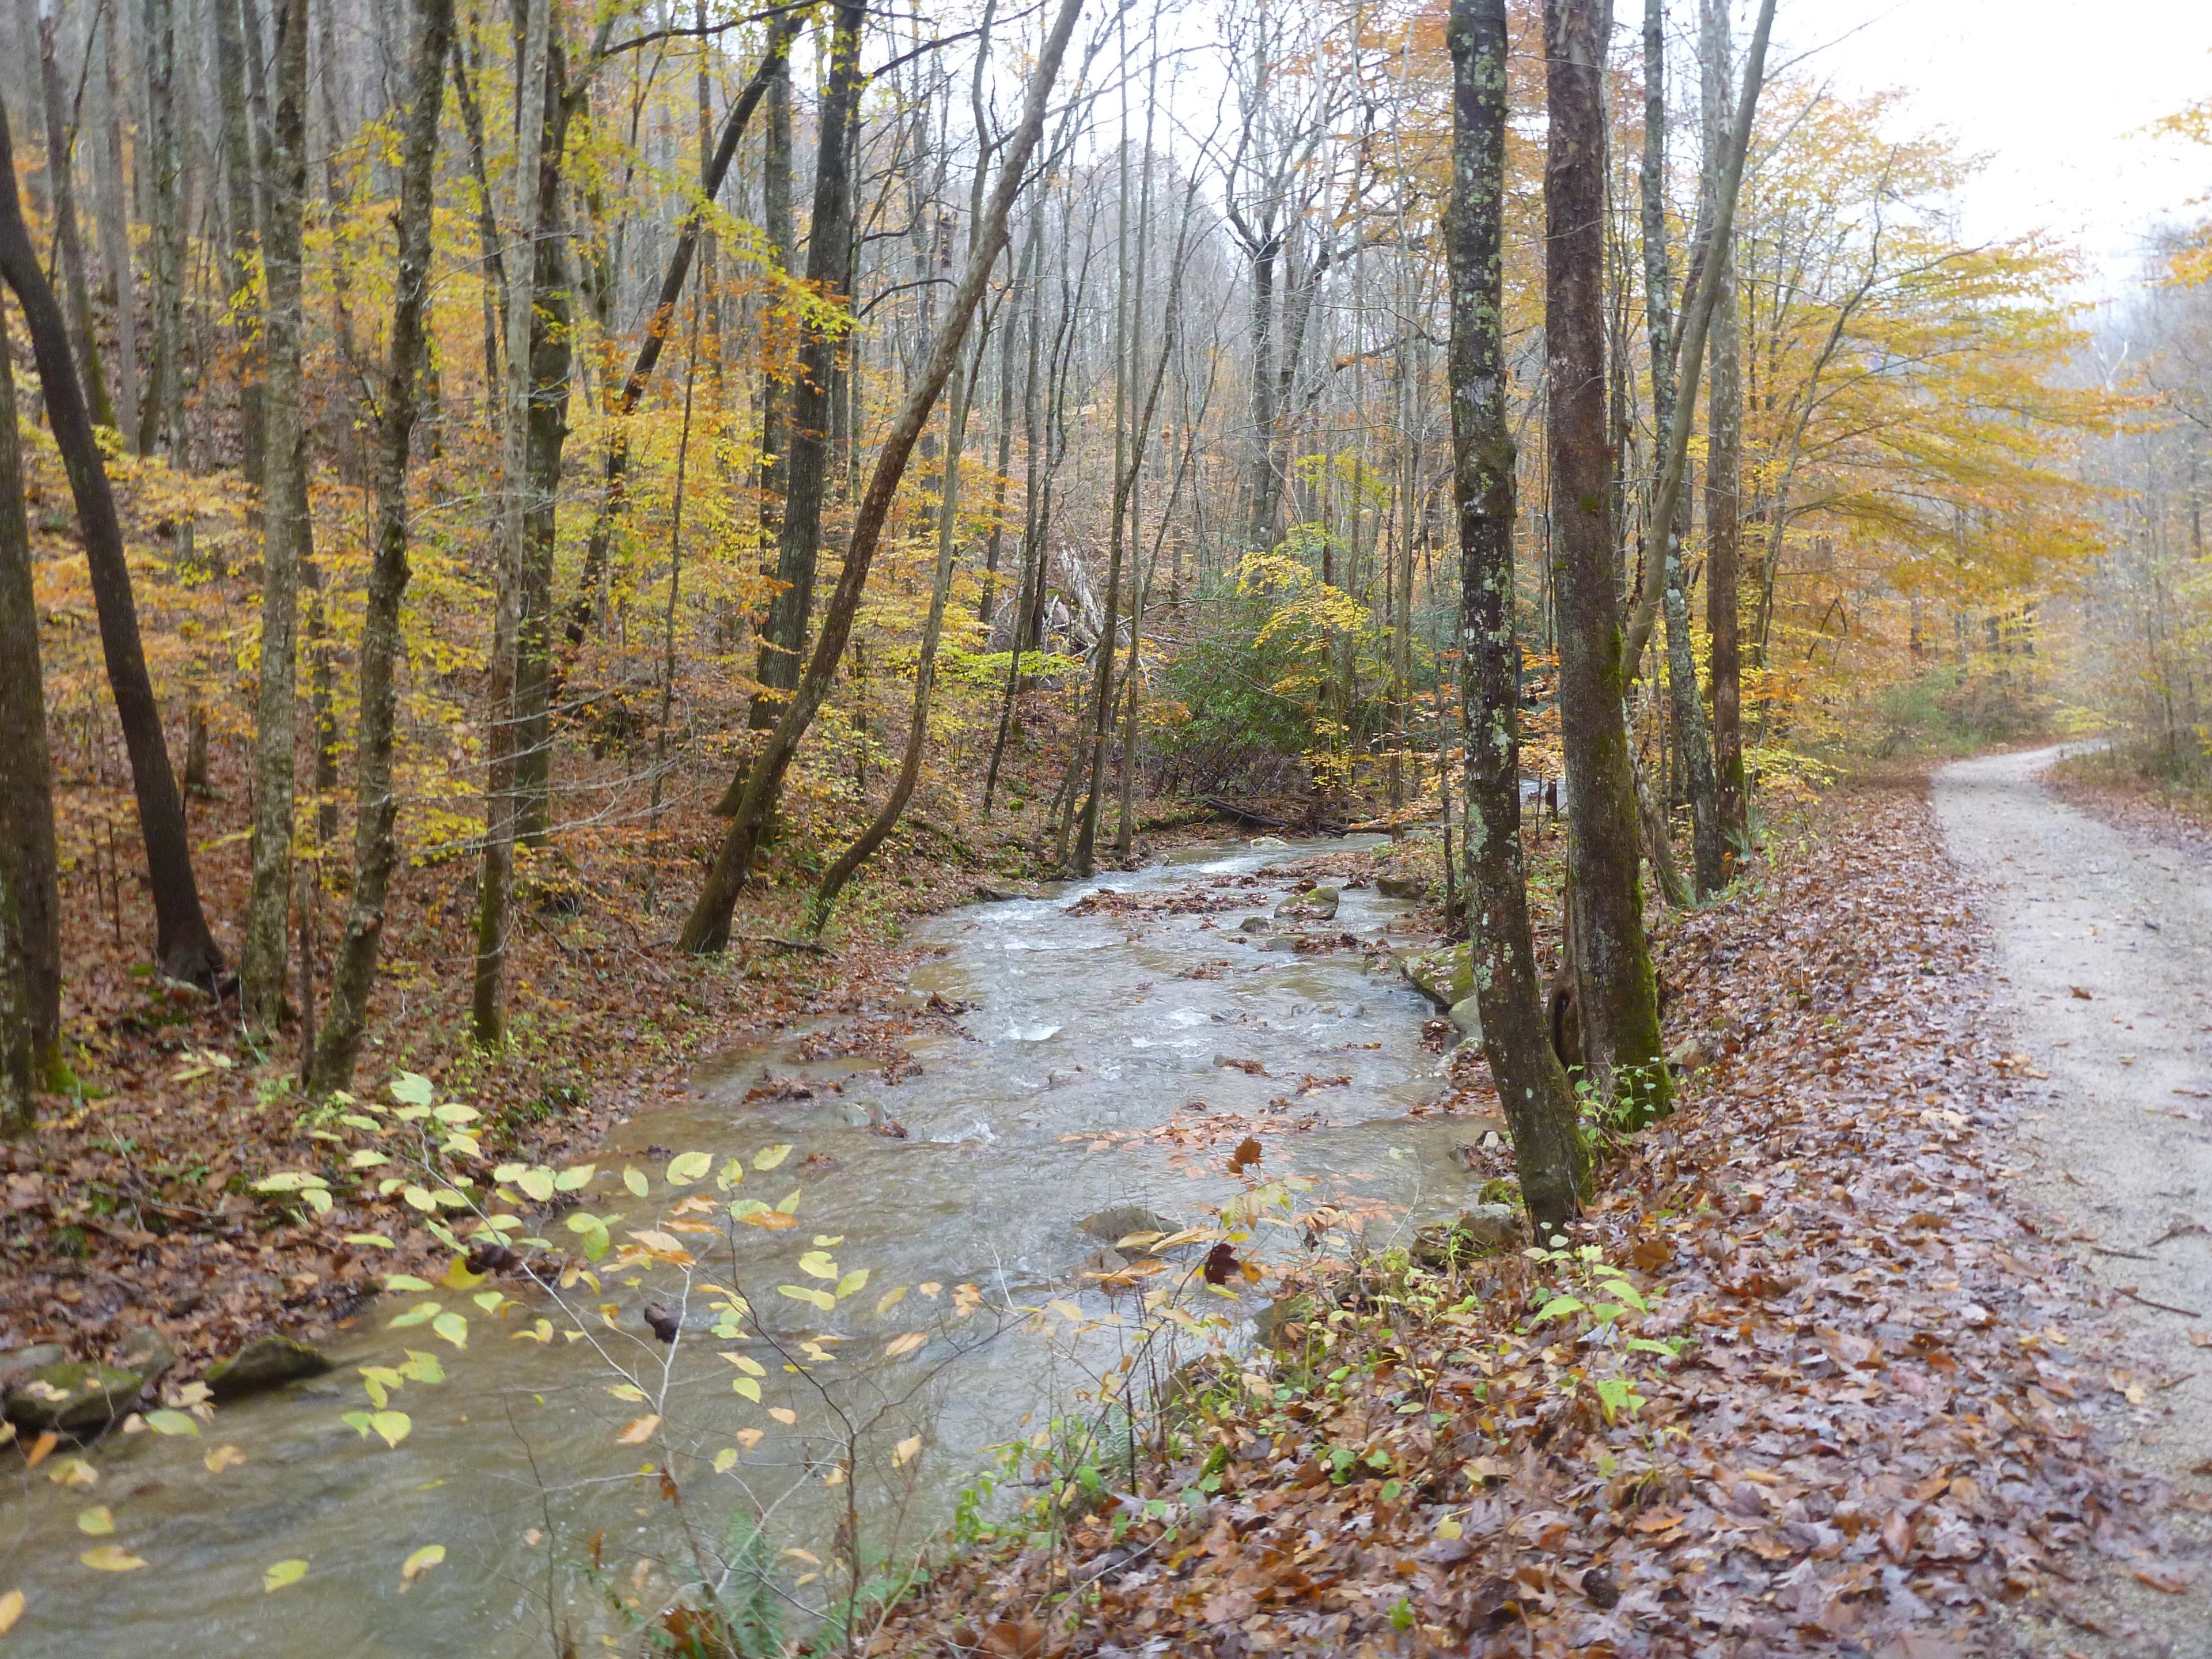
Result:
x=2163 y=1307
x=778 y=940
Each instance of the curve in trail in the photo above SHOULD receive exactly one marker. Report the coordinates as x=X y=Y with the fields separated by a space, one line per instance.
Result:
x=2103 y=951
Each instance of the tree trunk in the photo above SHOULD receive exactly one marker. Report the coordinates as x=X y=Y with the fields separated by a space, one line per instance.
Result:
x=110 y=197
x=244 y=227
x=1724 y=454
x=164 y=418
x=1692 y=737
x=286 y=535
x=708 y=928
x=775 y=216
x=488 y=1010
x=30 y=897
x=1616 y=994
x=353 y=973
x=807 y=455
x=1533 y=1089
x=61 y=170
x=184 y=948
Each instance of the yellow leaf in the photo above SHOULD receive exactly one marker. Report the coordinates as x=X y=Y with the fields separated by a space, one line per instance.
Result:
x=768 y=1157
x=1066 y=1310
x=420 y=1563
x=11 y=1610
x=111 y=1558
x=97 y=1521
x=222 y=1458
x=74 y=1472
x=899 y=1346
x=747 y=1387
x=746 y=1364
x=751 y=1438
x=170 y=1422
x=278 y=1574
x=726 y=1460
x=392 y=1427
x=687 y=1167
x=635 y=1181
x=787 y=1417
x=904 y=1451
x=639 y=1430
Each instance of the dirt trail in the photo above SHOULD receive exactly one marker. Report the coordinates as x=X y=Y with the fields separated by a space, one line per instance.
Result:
x=2121 y=1133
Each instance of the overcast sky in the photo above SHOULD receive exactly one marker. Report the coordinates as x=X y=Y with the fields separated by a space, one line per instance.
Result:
x=2055 y=94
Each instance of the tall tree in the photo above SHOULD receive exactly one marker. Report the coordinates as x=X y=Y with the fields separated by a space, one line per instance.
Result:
x=1691 y=732
x=375 y=805
x=287 y=533
x=1539 y=1106
x=1724 y=424
x=110 y=196
x=488 y=1001
x=708 y=928
x=162 y=421
x=184 y=948
x=805 y=456
x=238 y=167
x=1616 y=992
x=30 y=896
x=61 y=170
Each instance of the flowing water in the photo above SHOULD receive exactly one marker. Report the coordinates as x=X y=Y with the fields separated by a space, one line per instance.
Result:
x=1070 y=1080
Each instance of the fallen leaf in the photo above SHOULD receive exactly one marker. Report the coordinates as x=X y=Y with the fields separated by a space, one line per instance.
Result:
x=111 y=1557
x=638 y=1430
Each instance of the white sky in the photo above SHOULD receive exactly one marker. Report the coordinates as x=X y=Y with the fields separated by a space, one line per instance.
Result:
x=2055 y=94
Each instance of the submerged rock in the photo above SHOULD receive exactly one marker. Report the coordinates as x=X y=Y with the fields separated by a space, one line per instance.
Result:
x=1115 y=1224
x=1400 y=887
x=267 y=1362
x=73 y=1398
x=1254 y=925
x=1445 y=977
x=1317 y=903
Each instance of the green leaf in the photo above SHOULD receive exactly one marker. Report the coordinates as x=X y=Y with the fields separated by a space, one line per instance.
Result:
x=569 y=1180
x=812 y=1297
x=278 y=1574
x=403 y=1282
x=367 y=1158
x=635 y=1180
x=421 y=1561
x=392 y=1427
x=411 y=1089
x=377 y=1239
x=816 y=1264
x=423 y=1366
x=451 y=1327
x=507 y=1171
x=455 y=1114
x=536 y=1184
x=852 y=1283
x=318 y=1198
x=169 y=1422
x=687 y=1167
x=747 y=1387
x=768 y=1157
x=1557 y=1308
x=594 y=1233
x=489 y=1301
x=726 y=1460
x=421 y=1313
x=418 y=1198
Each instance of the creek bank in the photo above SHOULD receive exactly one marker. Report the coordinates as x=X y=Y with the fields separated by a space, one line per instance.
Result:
x=1868 y=1425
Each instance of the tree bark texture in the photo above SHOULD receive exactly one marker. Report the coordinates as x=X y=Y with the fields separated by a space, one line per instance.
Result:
x=244 y=227
x=1616 y=992
x=287 y=533
x=1547 y=1145
x=184 y=948
x=1724 y=456
x=163 y=420
x=115 y=235
x=60 y=172
x=30 y=895
x=353 y=973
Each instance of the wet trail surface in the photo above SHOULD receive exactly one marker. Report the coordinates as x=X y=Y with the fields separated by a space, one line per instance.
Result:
x=1065 y=1055
x=2103 y=965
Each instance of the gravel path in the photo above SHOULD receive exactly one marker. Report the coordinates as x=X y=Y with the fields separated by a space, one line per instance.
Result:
x=2104 y=961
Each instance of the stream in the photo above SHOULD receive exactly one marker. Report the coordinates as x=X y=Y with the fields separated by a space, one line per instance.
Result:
x=1082 y=1067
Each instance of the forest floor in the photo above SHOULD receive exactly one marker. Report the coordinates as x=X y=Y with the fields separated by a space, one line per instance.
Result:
x=1892 y=1413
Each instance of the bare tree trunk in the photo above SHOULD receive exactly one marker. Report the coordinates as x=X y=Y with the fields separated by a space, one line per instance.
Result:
x=775 y=216
x=111 y=198
x=1548 y=1148
x=61 y=170
x=353 y=973
x=1695 y=743
x=167 y=167
x=708 y=928
x=287 y=535
x=244 y=227
x=184 y=947
x=1725 y=454
x=30 y=896
x=807 y=455
x=489 y=999
x=1616 y=994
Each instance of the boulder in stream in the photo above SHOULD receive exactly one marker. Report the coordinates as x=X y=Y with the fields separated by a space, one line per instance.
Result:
x=1254 y=925
x=1445 y=977
x=1400 y=887
x=1111 y=1226
x=267 y=1362
x=1315 y=903
x=73 y=1398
